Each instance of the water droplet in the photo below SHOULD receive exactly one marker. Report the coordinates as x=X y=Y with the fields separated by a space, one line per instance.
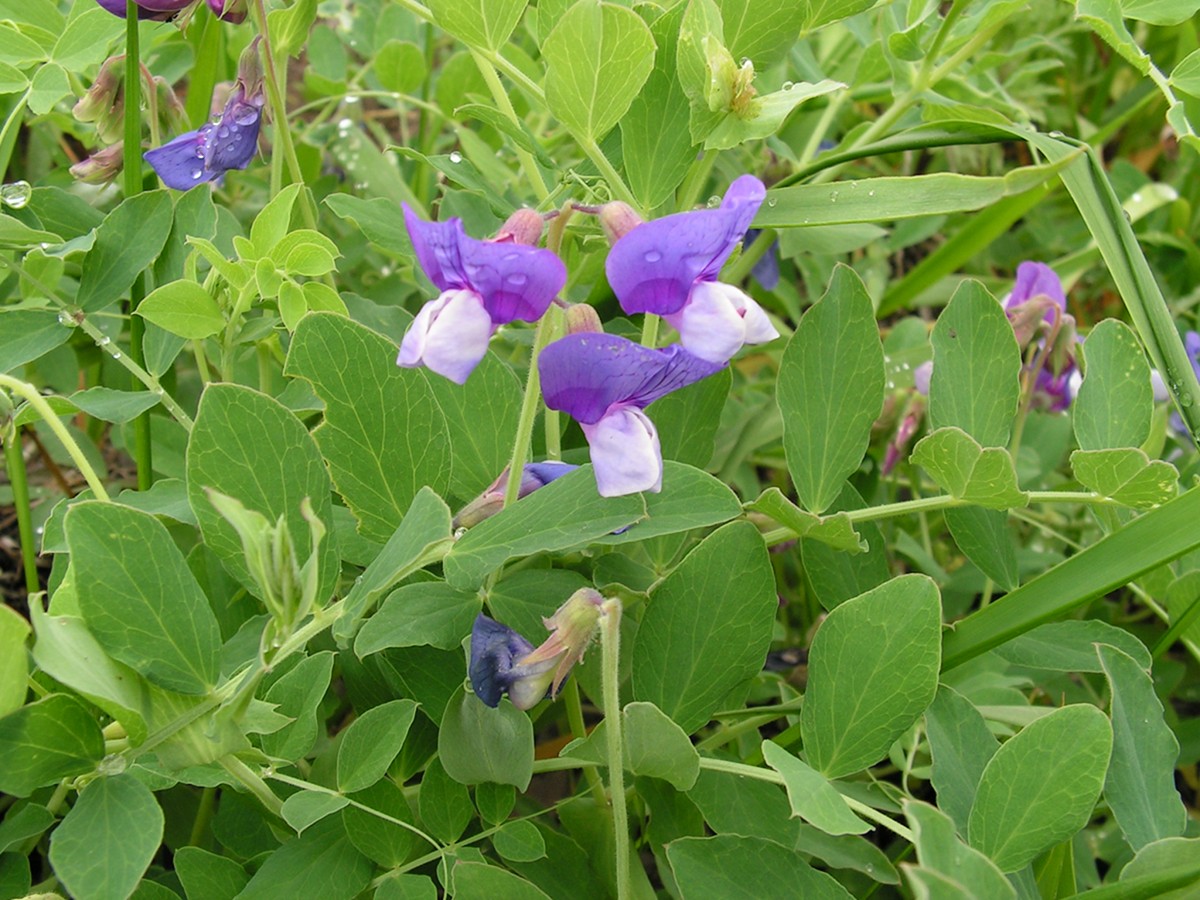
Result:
x=199 y=153
x=456 y=157
x=516 y=279
x=39 y=531
x=116 y=354
x=787 y=85
x=870 y=193
x=196 y=175
x=853 y=185
x=105 y=341
x=16 y=195
x=345 y=125
x=652 y=256
x=891 y=385
x=745 y=62
x=351 y=99
x=771 y=201
x=1137 y=197
x=64 y=318
x=713 y=202
x=1185 y=399
x=1056 y=134
x=833 y=197
x=223 y=132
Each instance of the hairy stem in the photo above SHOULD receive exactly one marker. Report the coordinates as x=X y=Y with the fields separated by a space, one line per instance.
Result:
x=610 y=645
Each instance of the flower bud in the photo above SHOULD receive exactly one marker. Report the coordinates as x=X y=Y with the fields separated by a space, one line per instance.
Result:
x=583 y=319
x=618 y=219
x=1027 y=317
x=101 y=167
x=171 y=112
x=250 y=73
x=102 y=96
x=491 y=501
x=230 y=10
x=572 y=628
x=523 y=227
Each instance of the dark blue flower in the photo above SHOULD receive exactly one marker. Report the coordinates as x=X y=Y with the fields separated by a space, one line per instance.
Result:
x=496 y=668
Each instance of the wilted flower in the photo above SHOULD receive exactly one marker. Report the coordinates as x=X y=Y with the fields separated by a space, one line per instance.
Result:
x=496 y=667
x=669 y=267
x=206 y=154
x=483 y=284
x=101 y=167
x=491 y=501
x=604 y=382
x=572 y=628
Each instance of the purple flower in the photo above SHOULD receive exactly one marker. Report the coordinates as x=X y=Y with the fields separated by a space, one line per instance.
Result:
x=604 y=382
x=496 y=667
x=229 y=10
x=669 y=267
x=1038 y=306
x=197 y=157
x=491 y=501
x=147 y=9
x=484 y=284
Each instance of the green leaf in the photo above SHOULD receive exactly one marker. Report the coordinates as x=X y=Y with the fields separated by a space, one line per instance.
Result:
x=384 y=841
x=108 y=838
x=687 y=420
x=519 y=841
x=873 y=668
x=1160 y=12
x=707 y=627
x=761 y=30
x=689 y=499
x=1186 y=74
x=46 y=741
x=111 y=405
x=22 y=823
x=1168 y=860
x=983 y=535
x=289 y=27
x=14 y=662
x=371 y=743
x=297 y=694
x=655 y=746
x=655 y=143
x=767 y=114
x=305 y=808
x=1127 y=475
x=319 y=863
x=1041 y=786
x=16 y=235
x=443 y=803
x=835 y=576
x=400 y=66
x=598 y=57
x=941 y=852
x=139 y=598
x=823 y=12
x=1071 y=646
x=961 y=745
x=1115 y=400
x=836 y=530
x=376 y=219
x=384 y=436
x=427 y=613
x=206 y=876
x=422 y=538
x=49 y=86
x=565 y=513
x=811 y=795
x=407 y=887
x=479 y=23
x=86 y=39
x=830 y=389
x=731 y=867
x=477 y=879
x=476 y=743
x=183 y=308
x=1140 y=788
x=976 y=364
x=26 y=334
x=130 y=239
x=983 y=476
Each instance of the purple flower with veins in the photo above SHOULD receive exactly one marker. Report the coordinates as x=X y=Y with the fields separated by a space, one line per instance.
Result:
x=206 y=154
x=605 y=382
x=483 y=284
x=496 y=666
x=147 y=9
x=669 y=267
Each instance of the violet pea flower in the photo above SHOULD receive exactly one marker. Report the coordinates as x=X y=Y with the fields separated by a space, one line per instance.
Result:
x=1037 y=294
x=491 y=501
x=605 y=382
x=669 y=267
x=496 y=666
x=483 y=284
x=147 y=9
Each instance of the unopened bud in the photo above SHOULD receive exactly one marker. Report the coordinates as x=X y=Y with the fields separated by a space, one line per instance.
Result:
x=618 y=219
x=583 y=319
x=1062 y=352
x=102 y=95
x=522 y=227
x=230 y=10
x=250 y=73
x=101 y=167
x=171 y=112
x=491 y=501
x=1027 y=317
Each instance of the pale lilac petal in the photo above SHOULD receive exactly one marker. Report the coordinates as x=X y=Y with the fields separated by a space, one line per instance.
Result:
x=759 y=329
x=1034 y=278
x=652 y=268
x=449 y=336
x=585 y=374
x=718 y=320
x=921 y=377
x=180 y=163
x=1191 y=345
x=515 y=281
x=625 y=452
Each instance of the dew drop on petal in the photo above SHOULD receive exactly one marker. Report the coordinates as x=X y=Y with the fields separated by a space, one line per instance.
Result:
x=652 y=256
x=516 y=279
x=787 y=85
x=196 y=173
x=223 y=132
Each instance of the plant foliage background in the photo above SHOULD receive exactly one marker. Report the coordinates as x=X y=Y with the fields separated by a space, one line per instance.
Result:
x=886 y=631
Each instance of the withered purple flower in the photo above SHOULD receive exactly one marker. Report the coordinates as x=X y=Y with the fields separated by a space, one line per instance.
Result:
x=496 y=669
x=483 y=284
x=605 y=382
x=669 y=267
x=491 y=501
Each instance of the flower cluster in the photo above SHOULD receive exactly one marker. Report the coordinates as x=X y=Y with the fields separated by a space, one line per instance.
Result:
x=668 y=267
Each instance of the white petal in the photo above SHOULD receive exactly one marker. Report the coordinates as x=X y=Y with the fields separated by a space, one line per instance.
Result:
x=710 y=324
x=1157 y=385
x=449 y=335
x=759 y=329
x=625 y=452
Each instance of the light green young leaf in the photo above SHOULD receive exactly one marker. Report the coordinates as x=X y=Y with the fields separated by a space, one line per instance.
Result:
x=108 y=838
x=657 y=747
x=305 y=808
x=1186 y=74
x=1160 y=12
x=767 y=114
x=1140 y=788
x=426 y=613
x=14 y=662
x=979 y=475
x=519 y=841
x=479 y=23
x=1115 y=400
x=762 y=30
x=110 y=405
x=1106 y=18
x=598 y=57
x=835 y=530
x=1040 y=787
x=831 y=389
x=183 y=308
x=873 y=669
x=812 y=796
x=1127 y=475
x=297 y=694
x=478 y=744
x=48 y=740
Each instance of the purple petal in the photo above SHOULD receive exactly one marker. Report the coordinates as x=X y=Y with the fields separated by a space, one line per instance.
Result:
x=1191 y=344
x=233 y=141
x=494 y=647
x=515 y=281
x=538 y=475
x=161 y=6
x=652 y=268
x=625 y=453
x=180 y=163
x=145 y=10
x=585 y=374
x=1035 y=278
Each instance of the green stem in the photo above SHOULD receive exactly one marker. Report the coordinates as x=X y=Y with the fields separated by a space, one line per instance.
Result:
x=30 y=394
x=741 y=769
x=529 y=410
x=697 y=177
x=616 y=183
x=14 y=462
x=610 y=648
x=253 y=782
x=528 y=165
x=8 y=134
x=570 y=695
x=740 y=268
x=649 y=330
x=204 y=814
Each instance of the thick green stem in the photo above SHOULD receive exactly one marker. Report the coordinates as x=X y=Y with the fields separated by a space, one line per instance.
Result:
x=570 y=695
x=204 y=814
x=697 y=177
x=253 y=782
x=528 y=165
x=610 y=648
x=14 y=462
x=529 y=409
x=30 y=394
